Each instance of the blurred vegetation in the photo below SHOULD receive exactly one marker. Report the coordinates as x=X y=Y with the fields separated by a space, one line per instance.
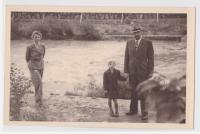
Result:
x=167 y=98
x=52 y=27
x=19 y=85
x=90 y=89
x=55 y=29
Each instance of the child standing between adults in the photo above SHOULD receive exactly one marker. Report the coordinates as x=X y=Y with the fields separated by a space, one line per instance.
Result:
x=110 y=85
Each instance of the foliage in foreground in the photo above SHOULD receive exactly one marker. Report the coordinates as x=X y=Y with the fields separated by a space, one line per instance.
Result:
x=19 y=84
x=166 y=97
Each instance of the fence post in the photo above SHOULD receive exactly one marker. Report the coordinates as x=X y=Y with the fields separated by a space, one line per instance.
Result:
x=122 y=18
x=81 y=17
x=157 y=17
x=43 y=16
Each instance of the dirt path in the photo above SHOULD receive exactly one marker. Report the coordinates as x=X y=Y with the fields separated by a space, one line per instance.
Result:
x=75 y=109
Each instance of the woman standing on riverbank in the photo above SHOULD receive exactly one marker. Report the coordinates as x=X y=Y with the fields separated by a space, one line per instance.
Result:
x=34 y=58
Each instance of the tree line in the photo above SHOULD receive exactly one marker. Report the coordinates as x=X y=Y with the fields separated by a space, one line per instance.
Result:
x=95 y=16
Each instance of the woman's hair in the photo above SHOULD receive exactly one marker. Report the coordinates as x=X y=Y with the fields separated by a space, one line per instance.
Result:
x=36 y=32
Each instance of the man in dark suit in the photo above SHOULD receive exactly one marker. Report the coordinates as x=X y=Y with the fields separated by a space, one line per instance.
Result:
x=139 y=64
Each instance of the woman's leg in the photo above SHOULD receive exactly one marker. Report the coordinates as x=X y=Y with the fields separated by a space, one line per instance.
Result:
x=41 y=72
x=37 y=82
x=116 y=107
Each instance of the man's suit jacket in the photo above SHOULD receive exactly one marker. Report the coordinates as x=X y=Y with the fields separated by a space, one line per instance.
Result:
x=140 y=62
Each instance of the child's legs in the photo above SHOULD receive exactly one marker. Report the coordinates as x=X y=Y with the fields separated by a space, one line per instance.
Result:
x=116 y=106
x=110 y=104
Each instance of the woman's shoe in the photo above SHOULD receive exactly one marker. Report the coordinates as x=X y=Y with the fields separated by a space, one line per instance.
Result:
x=116 y=114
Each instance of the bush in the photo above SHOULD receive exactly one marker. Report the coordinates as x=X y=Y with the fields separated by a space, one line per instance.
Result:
x=88 y=32
x=19 y=84
x=95 y=90
x=52 y=28
x=57 y=29
x=90 y=89
x=67 y=30
x=27 y=29
x=15 y=31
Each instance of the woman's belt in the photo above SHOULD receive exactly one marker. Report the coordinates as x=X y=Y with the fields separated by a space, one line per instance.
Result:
x=35 y=59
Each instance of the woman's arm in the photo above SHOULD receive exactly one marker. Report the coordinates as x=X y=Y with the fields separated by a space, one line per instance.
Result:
x=43 y=46
x=27 y=54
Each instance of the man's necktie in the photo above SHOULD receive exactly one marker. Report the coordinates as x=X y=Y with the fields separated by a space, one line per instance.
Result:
x=136 y=44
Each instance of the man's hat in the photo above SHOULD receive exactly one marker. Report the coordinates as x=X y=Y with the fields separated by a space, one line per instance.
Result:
x=136 y=29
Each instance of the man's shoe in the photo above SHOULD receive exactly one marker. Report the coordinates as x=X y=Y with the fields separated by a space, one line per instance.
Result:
x=131 y=113
x=111 y=114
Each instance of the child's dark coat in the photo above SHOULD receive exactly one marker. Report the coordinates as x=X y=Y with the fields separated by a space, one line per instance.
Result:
x=110 y=82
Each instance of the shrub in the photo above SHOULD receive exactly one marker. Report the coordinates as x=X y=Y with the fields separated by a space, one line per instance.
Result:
x=88 y=32
x=27 y=29
x=95 y=90
x=90 y=89
x=52 y=28
x=67 y=30
x=19 y=84
x=15 y=32
x=43 y=28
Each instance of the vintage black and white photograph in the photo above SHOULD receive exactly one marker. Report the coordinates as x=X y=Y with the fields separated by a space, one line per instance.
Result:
x=113 y=67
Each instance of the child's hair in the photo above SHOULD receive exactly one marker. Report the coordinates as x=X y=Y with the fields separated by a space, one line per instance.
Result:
x=111 y=62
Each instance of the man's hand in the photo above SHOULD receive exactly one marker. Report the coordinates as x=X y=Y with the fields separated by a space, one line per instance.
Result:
x=126 y=75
